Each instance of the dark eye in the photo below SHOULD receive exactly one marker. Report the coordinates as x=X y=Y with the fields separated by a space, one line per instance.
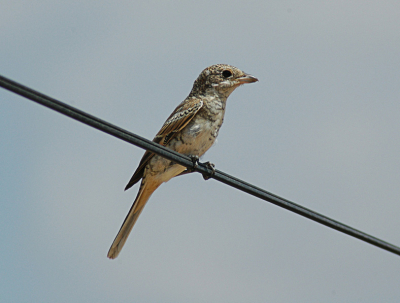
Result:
x=226 y=73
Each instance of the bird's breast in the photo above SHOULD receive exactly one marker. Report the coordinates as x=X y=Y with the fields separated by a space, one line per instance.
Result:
x=194 y=139
x=199 y=135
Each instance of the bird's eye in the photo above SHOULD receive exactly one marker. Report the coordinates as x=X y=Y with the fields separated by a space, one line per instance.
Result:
x=226 y=73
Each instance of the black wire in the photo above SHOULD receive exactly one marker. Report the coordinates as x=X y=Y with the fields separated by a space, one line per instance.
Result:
x=141 y=142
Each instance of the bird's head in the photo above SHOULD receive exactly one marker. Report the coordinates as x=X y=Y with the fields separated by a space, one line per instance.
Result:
x=221 y=78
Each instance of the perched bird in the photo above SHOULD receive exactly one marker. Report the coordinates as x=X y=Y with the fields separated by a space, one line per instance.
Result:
x=191 y=130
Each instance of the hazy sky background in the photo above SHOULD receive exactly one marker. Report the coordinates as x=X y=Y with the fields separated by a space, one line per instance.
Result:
x=320 y=128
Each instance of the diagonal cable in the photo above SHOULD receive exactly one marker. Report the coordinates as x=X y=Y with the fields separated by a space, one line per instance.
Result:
x=202 y=168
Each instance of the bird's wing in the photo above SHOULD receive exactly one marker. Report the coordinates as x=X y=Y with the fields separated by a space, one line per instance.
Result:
x=179 y=118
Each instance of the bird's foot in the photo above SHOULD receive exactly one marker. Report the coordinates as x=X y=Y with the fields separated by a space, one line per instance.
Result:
x=210 y=166
x=195 y=161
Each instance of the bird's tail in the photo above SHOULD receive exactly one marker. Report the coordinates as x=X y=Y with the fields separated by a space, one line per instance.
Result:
x=145 y=191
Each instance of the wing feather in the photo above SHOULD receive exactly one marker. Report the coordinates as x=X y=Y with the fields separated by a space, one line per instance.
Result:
x=179 y=118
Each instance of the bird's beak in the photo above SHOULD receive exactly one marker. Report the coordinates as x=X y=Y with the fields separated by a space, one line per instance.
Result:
x=247 y=79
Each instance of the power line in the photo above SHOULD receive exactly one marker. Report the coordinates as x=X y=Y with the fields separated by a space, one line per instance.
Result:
x=202 y=168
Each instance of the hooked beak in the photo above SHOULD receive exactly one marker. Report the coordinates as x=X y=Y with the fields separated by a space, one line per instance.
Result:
x=247 y=79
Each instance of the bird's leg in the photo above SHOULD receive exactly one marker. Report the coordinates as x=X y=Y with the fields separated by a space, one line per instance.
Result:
x=210 y=166
x=195 y=161
x=188 y=170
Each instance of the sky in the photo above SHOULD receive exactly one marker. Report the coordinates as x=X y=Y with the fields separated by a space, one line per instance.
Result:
x=320 y=128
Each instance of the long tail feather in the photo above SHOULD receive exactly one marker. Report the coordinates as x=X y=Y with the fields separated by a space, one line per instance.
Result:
x=143 y=196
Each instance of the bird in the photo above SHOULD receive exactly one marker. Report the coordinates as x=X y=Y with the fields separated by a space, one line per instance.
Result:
x=191 y=129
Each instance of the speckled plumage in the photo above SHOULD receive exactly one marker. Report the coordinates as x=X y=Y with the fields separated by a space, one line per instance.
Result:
x=191 y=129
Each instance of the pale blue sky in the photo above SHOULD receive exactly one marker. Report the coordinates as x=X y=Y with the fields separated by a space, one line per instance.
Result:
x=321 y=128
